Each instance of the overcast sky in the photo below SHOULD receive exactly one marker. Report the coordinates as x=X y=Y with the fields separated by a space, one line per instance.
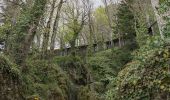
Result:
x=99 y=2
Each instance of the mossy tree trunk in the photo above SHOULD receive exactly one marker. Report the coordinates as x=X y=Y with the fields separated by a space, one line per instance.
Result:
x=46 y=35
x=25 y=31
x=55 y=26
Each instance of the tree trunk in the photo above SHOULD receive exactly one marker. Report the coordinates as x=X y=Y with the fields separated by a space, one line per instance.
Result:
x=38 y=44
x=53 y=37
x=7 y=43
x=91 y=30
x=46 y=35
x=160 y=21
x=35 y=13
x=27 y=43
x=73 y=44
x=120 y=43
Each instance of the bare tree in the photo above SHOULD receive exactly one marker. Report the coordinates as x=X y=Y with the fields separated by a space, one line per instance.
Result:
x=76 y=16
x=108 y=13
x=55 y=26
x=92 y=38
x=111 y=10
x=46 y=35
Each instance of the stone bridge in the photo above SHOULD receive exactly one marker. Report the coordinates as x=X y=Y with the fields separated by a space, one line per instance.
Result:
x=95 y=47
x=82 y=50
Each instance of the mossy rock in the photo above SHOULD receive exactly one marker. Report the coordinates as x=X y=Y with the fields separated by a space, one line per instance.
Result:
x=46 y=79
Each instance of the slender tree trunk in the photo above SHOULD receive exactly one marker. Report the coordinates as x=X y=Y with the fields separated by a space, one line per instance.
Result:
x=110 y=20
x=73 y=44
x=160 y=21
x=91 y=32
x=7 y=44
x=108 y=14
x=46 y=35
x=55 y=27
x=120 y=44
x=38 y=41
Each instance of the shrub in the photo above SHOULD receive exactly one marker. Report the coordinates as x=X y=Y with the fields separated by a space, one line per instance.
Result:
x=146 y=77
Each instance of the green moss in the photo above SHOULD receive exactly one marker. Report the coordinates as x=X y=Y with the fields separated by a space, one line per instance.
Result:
x=45 y=79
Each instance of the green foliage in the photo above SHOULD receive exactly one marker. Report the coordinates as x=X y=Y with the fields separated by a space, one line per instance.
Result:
x=164 y=9
x=141 y=30
x=100 y=64
x=105 y=66
x=75 y=68
x=4 y=30
x=147 y=76
x=29 y=16
x=126 y=21
x=25 y=24
x=7 y=67
x=86 y=94
x=70 y=60
x=44 y=79
x=164 y=5
x=121 y=56
x=100 y=16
